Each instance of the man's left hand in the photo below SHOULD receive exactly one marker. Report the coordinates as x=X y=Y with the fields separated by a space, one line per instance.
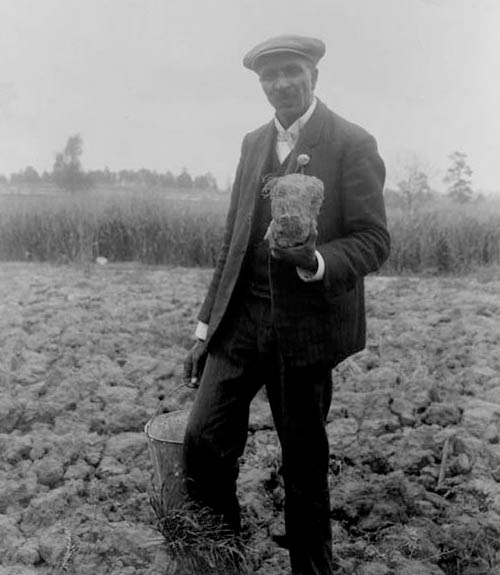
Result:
x=301 y=256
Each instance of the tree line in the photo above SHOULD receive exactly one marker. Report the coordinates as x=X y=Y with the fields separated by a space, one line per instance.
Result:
x=68 y=174
x=412 y=190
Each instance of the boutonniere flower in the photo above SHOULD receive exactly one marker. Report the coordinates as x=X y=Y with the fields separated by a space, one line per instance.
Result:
x=302 y=161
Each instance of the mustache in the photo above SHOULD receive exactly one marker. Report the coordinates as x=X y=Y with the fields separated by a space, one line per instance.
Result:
x=283 y=94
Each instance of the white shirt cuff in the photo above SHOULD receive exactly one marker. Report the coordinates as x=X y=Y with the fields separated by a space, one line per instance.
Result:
x=201 y=331
x=308 y=276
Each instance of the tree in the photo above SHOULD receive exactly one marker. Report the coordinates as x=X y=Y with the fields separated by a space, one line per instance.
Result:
x=184 y=179
x=413 y=186
x=102 y=177
x=30 y=175
x=67 y=172
x=127 y=177
x=205 y=182
x=148 y=178
x=27 y=176
x=167 y=180
x=46 y=177
x=458 y=178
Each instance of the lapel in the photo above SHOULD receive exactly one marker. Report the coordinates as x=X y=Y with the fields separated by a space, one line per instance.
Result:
x=258 y=161
x=309 y=137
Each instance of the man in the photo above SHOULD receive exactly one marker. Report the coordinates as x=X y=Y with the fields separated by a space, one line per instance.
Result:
x=284 y=317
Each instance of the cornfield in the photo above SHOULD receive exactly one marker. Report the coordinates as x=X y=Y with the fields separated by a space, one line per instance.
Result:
x=157 y=228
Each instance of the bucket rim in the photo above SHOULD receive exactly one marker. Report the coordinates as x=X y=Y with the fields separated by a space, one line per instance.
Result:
x=147 y=426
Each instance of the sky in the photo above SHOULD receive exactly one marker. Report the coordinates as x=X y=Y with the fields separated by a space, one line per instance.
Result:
x=160 y=84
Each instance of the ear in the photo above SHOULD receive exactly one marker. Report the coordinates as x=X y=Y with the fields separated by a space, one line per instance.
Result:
x=314 y=77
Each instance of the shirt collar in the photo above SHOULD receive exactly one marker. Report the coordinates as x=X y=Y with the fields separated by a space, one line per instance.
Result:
x=295 y=128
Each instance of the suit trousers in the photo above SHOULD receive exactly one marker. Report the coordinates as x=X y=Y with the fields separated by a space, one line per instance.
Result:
x=246 y=357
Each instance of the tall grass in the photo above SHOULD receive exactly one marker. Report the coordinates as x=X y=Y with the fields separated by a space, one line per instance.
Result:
x=444 y=239
x=158 y=228
x=148 y=227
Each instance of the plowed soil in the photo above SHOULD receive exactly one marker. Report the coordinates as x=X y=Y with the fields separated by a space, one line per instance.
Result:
x=88 y=352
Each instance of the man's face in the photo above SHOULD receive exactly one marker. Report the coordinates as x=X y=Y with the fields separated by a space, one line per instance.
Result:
x=288 y=81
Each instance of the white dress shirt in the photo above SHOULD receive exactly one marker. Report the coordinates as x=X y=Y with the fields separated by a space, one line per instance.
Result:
x=286 y=139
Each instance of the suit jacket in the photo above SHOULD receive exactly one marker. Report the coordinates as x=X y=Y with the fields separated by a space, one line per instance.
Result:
x=320 y=321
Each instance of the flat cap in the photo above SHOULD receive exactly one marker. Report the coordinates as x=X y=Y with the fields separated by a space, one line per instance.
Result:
x=311 y=48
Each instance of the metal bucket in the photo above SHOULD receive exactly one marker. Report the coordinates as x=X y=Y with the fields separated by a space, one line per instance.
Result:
x=165 y=432
x=218 y=552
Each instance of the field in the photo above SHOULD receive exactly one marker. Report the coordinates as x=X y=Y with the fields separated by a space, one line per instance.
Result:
x=88 y=350
x=174 y=228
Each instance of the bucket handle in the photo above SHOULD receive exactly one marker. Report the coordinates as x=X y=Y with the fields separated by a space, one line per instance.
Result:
x=170 y=394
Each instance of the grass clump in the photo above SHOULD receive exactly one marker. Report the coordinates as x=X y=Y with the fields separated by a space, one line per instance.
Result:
x=196 y=540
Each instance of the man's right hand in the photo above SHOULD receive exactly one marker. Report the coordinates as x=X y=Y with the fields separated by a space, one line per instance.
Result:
x=194 y=363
